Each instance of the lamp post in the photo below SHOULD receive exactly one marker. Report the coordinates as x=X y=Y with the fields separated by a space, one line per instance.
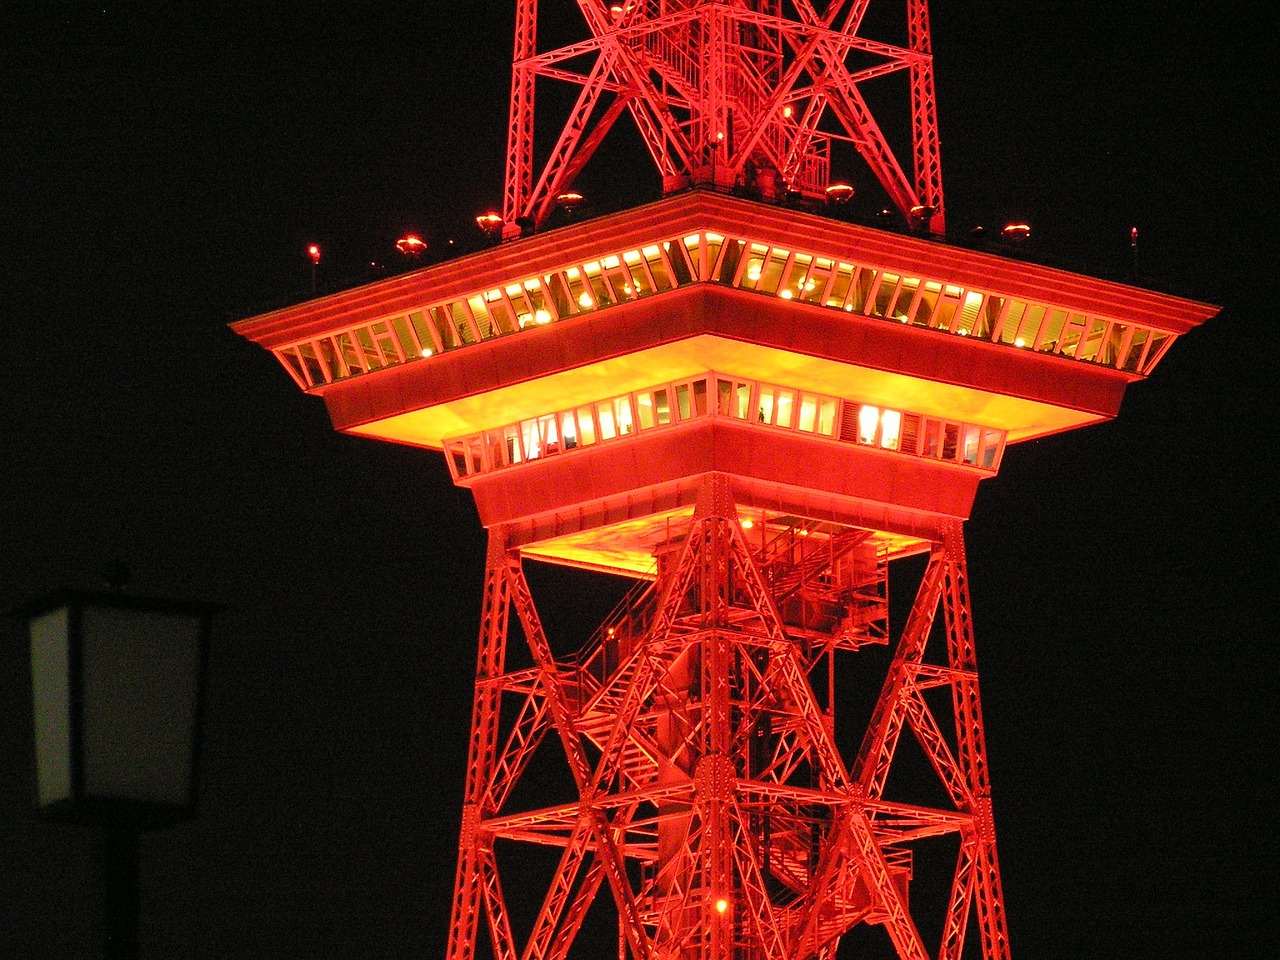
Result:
x=117 y=694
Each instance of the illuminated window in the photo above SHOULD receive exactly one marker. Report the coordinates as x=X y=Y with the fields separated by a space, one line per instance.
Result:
x=890 y=425
x=868 y=419
x=586 y=427
x=808 y=413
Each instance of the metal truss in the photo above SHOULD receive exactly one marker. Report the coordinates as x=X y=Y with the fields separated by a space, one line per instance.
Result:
x=708 y=791
x=734 y=94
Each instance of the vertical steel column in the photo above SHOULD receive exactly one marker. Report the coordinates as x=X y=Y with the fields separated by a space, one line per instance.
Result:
x=715 y=774
x=973 y=747
x=519 y=181
x=924 y=117
x=481 y=754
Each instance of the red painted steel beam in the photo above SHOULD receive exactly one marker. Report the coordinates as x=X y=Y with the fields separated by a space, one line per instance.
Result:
x=700 y=722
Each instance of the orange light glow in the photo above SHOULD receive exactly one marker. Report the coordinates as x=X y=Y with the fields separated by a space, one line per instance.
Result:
x=1016 y=231
x=313 y=252
x=411 y=245
x=489 y=221
x=722 y=905
x=839 y=193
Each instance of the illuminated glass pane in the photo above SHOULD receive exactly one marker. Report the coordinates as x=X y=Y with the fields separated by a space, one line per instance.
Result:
x=530 y=439
x=1029 y=333
x=1071 y=335
x=1012 y=321
x=639 y=277
x=826 y=416
x=444 y=328
x=840 y=286
x=771 y=272
x=1157 y=345
x=868 y=419
x=724 y=397
x=794 y=284
x=644 y=410
x=679 y=264
x=604 y=417
x=373 y=357
x=886 y=294
x=890 y=427
x=904 y=299
x=1092 y=342
x=950 y=440
x=700 y=398
x=558 y=289
x=568 y=430
x=586 y=427
x=662 y=405
x=765 y=413
x=786 y=403
x=970 y=314
x=808 y=413
x=661 y=277
x=622 y=414
x=816 y=282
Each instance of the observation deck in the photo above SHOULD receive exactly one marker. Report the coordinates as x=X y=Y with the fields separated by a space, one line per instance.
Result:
x=581 y=379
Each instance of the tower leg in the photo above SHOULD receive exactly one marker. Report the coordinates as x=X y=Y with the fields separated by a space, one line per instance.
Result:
x=474 y=862
x=967 y=706
x=711 y=797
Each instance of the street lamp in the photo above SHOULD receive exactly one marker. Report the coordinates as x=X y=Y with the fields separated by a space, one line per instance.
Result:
x=117 y=694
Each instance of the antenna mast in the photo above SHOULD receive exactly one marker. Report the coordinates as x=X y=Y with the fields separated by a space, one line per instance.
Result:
x=746 y=95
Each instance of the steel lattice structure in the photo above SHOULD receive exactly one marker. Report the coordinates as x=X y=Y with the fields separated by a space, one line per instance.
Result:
x=698 y=724
x=736 y=94
x=755 y=412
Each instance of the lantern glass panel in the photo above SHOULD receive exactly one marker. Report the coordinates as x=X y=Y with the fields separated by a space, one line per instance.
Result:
x=140 y=674
x=51 y=697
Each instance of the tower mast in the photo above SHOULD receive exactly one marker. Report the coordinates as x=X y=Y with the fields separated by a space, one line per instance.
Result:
x=756 y=414
x=743 y=95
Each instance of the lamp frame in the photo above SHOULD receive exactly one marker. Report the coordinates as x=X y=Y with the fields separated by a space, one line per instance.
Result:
x=81 y=806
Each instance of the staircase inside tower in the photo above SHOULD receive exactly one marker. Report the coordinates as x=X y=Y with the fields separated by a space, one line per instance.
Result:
x=722 y=669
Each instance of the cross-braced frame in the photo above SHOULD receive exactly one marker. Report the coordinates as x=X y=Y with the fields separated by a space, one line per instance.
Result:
x=698 y=731
x=749 y=95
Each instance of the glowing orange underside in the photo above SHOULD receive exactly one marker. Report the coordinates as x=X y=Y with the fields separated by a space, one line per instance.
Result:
x=1023 y=419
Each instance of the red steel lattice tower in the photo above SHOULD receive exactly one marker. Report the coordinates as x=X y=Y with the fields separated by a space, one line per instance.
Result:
x=754 y=412
x=746 y=94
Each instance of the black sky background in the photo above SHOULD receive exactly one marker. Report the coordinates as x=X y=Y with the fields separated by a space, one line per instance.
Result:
x=162 y=169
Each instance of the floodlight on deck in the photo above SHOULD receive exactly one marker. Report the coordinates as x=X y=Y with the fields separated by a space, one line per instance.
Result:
x=411 y=245
x=839 y=193
x=1016 y=231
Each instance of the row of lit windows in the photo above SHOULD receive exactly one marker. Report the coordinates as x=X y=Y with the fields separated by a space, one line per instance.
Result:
x=739 y=263
x=718 y=395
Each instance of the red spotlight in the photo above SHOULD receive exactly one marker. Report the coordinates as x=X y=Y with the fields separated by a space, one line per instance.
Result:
x=838 y=193
x=313 y=251
x=411 y=245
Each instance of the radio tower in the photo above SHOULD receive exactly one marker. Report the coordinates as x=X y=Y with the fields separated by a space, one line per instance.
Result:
x=755 y=412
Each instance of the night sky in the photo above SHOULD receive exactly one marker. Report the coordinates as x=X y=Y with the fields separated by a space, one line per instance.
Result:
x=161 y=173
